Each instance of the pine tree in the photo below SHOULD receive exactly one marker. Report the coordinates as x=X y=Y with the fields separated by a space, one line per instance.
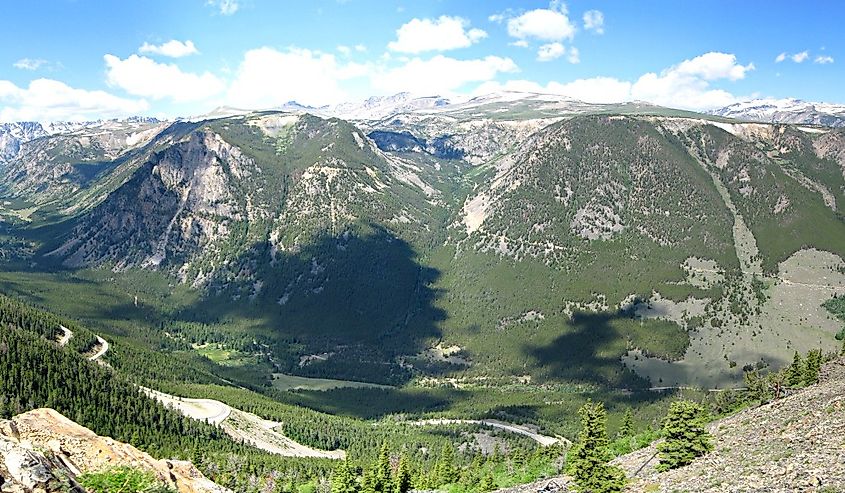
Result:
x=445 y=470
x=795 y=371
x=497 y=454
x=344 y=479
x=518 y=458
x=757 y=387
x=812 y=367
x=627 y=427
x=382 y=471
x=588 y=460
x=368 y=481
x=685 y=435
x=487 y=483
x=402 y=482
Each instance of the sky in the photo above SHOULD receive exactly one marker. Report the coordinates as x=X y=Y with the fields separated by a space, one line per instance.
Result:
x=83 y=60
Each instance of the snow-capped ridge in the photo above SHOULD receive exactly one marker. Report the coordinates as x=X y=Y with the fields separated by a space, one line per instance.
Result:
x=786 y=110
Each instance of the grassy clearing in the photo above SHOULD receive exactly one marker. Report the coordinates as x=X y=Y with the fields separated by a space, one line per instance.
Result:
x=285 y=382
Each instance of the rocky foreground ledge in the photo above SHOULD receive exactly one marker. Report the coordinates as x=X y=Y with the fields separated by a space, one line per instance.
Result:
x=42 y=451
x=793 y=444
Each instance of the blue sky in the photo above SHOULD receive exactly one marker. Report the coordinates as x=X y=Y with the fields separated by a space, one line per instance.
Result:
x=88 y=59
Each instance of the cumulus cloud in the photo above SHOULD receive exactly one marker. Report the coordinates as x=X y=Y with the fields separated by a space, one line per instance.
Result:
x=823 y=59
x=549 y=52
x=441 y=34
x=440 y=74
x=685 y=85
x=51 y=100
x=267 y=78
x=550 y=24
x=172 y=48
x=780 y=57
x=713 y=65
x=29 y=63
x=224 y=7
x=141 y=76
x=800 y=57
x=594 y=21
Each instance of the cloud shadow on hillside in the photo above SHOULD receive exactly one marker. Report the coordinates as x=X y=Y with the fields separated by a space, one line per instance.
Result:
x=587 y=353
x=364 y=297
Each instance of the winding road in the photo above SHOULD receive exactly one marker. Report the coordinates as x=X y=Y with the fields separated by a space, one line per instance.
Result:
x=209 y=410
x=65 y=337
x=103 y=348
x=241 y=426
x=543 y=440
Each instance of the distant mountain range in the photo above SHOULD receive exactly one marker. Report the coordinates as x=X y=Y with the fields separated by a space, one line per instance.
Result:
x=786 y=111
x=768 y=110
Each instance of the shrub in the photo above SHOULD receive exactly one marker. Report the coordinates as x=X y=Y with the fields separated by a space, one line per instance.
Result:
x=123 y=480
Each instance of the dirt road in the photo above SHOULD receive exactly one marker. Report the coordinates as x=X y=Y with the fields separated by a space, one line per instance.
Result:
x=242 y=426
x=65 y=337
x=211 y=411
x=544 y=440
x=103 y=347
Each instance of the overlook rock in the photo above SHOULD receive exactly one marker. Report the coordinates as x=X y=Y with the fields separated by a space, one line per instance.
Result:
x=43 y=451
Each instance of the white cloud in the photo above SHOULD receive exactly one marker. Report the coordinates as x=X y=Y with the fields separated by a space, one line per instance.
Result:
x=574 y=55
x=344 y=50
x=711 y=66
x=823 y=59
x=549 y=52
x=51 y=100
x=29 y=63
x=441 y=34
x=360 y=48
x=594 y=21
x=800 y=57
x=521 y=43
x=173 y=48
x=440 y=74
x=543 y=24
x=141 y=76
x=267 y=78
x=225 y=7
x=685 y=85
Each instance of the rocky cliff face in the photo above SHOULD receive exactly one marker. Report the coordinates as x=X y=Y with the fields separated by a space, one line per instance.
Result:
x=43 y=451
x=174 y=205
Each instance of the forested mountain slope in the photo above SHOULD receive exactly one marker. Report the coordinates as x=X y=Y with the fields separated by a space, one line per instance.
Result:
x=508 y=236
